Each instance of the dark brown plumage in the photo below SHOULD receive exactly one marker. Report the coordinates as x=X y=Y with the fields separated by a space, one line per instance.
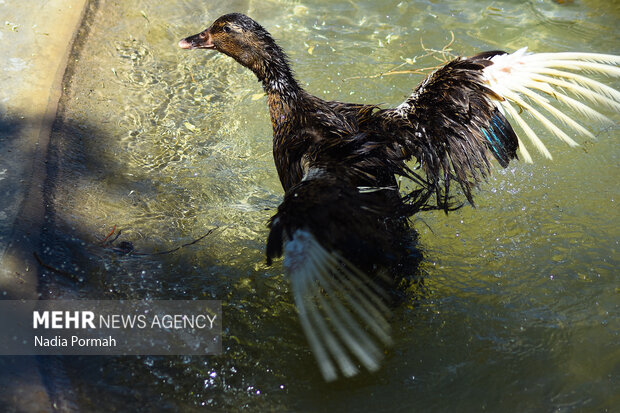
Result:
x=343 y=225
x=370 y=143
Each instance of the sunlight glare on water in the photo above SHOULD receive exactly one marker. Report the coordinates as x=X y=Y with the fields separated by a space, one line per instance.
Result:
x=522 y=300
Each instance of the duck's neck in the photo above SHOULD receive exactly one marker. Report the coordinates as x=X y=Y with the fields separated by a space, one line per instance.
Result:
x=285 y=99
x=281 y=82
x=283 y=92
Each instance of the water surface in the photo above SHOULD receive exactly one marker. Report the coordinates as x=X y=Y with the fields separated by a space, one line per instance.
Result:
x=521 y=307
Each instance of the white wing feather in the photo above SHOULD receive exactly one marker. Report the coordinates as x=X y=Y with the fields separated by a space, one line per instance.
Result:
x=523 y=78
x=340 y=308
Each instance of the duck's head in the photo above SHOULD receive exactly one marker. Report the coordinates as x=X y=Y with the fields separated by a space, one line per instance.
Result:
x=239 y=37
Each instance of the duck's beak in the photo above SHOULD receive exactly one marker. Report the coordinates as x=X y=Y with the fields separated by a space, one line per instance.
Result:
x=201 y=40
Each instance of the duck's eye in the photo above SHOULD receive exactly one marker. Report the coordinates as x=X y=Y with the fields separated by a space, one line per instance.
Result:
x=226 y=29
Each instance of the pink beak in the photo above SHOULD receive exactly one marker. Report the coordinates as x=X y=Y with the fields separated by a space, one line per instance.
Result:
x=201 y=40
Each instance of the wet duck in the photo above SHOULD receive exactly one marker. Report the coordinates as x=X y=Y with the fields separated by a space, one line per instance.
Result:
x=343 y=224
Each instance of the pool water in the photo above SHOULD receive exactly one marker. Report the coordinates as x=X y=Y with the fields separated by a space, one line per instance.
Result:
x=522 y=293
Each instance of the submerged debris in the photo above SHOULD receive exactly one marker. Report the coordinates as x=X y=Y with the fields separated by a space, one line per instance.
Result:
x=443 y=56
x=123 y=248
x=126 y=247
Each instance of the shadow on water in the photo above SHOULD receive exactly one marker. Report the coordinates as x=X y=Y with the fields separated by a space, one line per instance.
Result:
x=19 y=229
x=70 y=261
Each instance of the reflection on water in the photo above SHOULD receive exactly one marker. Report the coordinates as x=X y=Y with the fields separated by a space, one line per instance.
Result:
x=167 y=144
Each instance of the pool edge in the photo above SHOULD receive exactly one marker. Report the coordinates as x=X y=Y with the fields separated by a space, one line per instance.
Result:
x=35 y=90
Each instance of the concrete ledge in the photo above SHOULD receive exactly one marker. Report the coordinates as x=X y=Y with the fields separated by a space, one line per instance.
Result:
x=35 y=43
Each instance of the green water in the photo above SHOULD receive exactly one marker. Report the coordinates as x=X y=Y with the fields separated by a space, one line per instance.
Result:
x=523 y=292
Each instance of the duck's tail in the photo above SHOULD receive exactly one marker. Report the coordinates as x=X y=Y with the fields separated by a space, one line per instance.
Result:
x=523 y=79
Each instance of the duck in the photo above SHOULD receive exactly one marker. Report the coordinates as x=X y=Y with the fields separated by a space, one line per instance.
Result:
x=344 y=224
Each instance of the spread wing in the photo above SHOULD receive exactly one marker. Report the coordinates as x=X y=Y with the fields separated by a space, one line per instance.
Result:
x=456 y=121
x=334 y=236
